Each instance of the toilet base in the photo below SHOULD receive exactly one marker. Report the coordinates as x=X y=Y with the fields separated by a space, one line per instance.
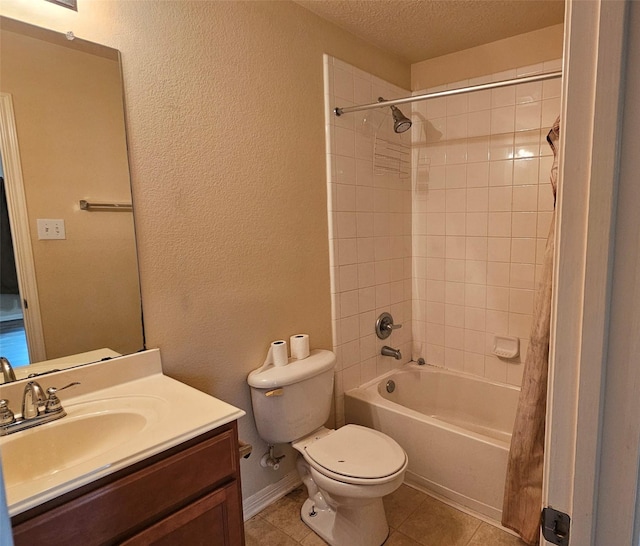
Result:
x=364 y=526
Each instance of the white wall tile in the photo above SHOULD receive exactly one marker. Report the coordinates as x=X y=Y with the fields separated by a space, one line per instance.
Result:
x=477 y=223
x=501 y=173
x=522 y=275
x=527 y=144
x=525 y=171
x=456 y=200
x=479 y=123
x=456 y=127
x=498 y=273
x=475 y=271
x=501 y=146
x=477 y=175
x=475 y=319
x=528 y=92
x=366 y=275
x=478 y=199
x=521 y=301
x=500 y=224
x=497 y=299
x=454 y=295
x=528 y=116
x=503 y=96
x=523 y=250
x=477 y=149
x=456 y=176
x=346 y=224
x=525 y=198
x=454 y=315
x=347 y=251
x=503 y=120
x=344 y=169
x=456 y=223
x=497 y=324
x=500 y=198
x=524 y=224
x=499 y=249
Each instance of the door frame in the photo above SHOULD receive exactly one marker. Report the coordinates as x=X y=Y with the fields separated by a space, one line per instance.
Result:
x=20 y=234
x=594 y=55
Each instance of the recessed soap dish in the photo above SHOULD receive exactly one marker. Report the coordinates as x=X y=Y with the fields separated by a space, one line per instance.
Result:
x=506 y=347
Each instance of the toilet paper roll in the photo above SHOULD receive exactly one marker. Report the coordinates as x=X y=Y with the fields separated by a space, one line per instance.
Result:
x=299 y=346
x=277 y=354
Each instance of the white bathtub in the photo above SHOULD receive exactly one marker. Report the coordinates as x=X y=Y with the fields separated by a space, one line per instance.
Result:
x=455 y=428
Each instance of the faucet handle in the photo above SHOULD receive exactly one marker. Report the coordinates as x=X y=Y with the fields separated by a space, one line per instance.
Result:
x=53 y=402
x=385 y=325
x=6 y=415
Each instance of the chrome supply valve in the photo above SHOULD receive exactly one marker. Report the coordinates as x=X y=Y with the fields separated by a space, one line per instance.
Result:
x=270 y=460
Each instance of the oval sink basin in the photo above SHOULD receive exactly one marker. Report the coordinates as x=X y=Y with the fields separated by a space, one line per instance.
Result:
x=46 y=449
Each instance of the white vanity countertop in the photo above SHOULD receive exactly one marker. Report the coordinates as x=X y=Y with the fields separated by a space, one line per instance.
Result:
x=166 y=412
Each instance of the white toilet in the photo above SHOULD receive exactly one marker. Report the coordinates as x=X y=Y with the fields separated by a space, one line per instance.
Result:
x=346 y=471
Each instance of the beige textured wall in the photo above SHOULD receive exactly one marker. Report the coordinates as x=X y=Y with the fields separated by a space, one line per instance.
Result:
x=522 y=50
x=226 y=126
x=70 y=125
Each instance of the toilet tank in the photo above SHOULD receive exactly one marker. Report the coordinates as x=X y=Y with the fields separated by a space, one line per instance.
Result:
x=293 y=400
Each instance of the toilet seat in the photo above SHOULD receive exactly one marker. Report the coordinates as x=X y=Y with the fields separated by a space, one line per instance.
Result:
x=357 y=455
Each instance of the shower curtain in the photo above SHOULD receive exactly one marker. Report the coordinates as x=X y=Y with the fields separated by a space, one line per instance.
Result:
x=523 y=485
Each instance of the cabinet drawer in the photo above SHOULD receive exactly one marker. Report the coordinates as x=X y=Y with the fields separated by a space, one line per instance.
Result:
x=133 y=502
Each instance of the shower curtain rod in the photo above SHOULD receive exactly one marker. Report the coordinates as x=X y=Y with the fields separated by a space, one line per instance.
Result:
x=449 y=92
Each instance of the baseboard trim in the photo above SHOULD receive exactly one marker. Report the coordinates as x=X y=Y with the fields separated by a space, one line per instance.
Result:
x=270 y=494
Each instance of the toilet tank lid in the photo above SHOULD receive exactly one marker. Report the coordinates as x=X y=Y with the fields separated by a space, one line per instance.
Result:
x=269 y=377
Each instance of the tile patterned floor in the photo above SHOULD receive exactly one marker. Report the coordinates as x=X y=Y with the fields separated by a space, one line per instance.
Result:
x=415 y=519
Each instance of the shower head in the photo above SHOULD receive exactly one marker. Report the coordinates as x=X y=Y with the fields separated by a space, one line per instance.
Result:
x=401 y=123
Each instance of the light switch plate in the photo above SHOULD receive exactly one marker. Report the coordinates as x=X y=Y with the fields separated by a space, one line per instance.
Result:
x=51 y=229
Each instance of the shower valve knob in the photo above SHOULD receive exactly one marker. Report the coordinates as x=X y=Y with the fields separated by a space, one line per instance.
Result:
x=385 y=325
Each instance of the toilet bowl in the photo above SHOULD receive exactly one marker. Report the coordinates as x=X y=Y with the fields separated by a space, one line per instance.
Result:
x=346 y=471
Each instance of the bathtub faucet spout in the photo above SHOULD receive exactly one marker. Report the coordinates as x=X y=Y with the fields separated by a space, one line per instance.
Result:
x=390 y=351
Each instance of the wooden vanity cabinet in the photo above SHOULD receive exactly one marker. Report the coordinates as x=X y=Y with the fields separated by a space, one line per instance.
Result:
x=188 y=495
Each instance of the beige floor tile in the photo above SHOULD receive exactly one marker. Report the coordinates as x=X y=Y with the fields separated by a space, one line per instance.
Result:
x=259 y=532
x=488 y=534
x=436 y=524
x=399 y=539
x=312 y=540
x=400 y=504
x=285 y=515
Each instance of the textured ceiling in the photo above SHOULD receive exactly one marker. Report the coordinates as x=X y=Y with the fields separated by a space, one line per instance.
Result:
x=416 y=30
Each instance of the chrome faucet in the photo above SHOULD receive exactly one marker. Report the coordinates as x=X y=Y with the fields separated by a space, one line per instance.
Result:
x=33 y=400
x=390 y=351
x=7 y=371
x=37 y=409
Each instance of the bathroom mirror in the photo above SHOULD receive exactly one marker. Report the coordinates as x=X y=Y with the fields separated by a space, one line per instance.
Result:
x=66 y=97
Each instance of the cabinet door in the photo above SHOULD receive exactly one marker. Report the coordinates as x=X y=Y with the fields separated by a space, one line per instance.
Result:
x=213 y=520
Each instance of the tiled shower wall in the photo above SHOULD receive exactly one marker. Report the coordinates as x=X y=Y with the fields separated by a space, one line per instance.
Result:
x=482 y=205
x=369 y=229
